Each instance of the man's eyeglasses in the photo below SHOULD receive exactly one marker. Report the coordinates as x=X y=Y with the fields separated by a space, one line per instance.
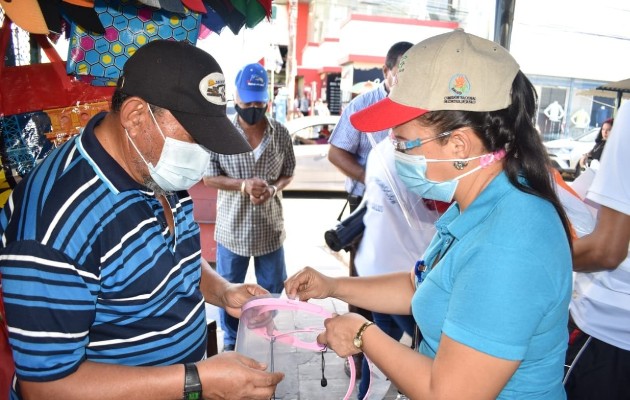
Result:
x=406 y=145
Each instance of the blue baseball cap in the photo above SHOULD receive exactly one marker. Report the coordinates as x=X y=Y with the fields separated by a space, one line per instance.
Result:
x=251 y=83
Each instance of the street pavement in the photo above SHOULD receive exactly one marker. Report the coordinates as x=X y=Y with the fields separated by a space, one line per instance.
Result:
x=306 y=220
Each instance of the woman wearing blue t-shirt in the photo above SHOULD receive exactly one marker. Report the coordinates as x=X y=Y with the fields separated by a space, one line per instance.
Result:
x=491 y=292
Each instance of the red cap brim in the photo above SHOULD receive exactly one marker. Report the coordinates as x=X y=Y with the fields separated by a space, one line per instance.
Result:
x=383 y=115
x=195 y=5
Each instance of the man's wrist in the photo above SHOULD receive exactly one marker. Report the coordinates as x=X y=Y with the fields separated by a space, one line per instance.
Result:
x=192 y=383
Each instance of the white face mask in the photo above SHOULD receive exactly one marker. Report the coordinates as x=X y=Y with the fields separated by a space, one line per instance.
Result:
x=181 y=164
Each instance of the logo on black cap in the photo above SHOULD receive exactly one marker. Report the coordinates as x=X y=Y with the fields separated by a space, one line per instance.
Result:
x=212 y=87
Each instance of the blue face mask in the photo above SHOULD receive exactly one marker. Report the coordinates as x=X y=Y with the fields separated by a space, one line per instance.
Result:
x=412 y=170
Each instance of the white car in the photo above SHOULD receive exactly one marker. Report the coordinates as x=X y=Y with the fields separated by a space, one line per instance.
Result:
x=565 y=153
x=313 y=171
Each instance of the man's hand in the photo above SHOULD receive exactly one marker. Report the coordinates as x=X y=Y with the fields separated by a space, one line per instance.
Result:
x=237 y=294
x=255 y=187
x=231 y=375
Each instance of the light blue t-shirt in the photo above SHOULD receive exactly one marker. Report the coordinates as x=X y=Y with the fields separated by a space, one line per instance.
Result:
x=502 y=287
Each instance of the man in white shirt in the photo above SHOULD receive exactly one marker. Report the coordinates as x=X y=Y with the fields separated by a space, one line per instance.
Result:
x=598 y=357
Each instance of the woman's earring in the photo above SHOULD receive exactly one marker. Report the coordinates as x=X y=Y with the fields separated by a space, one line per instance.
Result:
x=459 y=165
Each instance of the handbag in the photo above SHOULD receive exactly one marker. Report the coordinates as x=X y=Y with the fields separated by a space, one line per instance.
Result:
x=36 y=101
x=99 y=59
x=38 y=87
x=348 y=231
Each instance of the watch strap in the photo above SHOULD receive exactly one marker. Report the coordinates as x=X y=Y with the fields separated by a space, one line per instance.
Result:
x=358 y=339
x=192 y=383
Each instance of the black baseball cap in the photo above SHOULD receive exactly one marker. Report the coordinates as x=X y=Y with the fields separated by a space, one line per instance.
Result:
x=189 y=83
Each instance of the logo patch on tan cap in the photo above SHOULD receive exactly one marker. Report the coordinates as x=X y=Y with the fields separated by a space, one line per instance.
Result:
x=459 y=88
x=212 y=87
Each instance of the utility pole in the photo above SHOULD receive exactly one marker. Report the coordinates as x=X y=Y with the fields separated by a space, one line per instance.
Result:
x=291 y=71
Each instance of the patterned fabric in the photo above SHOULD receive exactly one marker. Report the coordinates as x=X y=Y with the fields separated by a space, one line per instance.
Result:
x=90 y=270
x=243 y=228
x=346 y=137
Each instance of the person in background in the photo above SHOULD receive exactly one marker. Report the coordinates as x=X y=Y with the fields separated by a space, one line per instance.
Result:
x=322 y=137
x=600 y=142
x=104 y=283
x=349 y=148
x=492 y=292
x=305 y=106
x=598 y=358
x=398 y=229
x=321 y=108
x=249 y=203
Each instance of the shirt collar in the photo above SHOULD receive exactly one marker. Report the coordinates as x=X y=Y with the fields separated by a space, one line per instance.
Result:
x=458 y=224
x=104 y=165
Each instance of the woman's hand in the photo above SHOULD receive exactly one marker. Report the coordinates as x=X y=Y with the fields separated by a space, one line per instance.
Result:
x=340 y=332
x=309 y=284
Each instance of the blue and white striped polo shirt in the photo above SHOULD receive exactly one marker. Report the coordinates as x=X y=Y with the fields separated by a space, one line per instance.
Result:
x=90 y=270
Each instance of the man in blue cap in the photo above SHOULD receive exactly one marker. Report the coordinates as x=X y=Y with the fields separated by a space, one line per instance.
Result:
x=249 y=210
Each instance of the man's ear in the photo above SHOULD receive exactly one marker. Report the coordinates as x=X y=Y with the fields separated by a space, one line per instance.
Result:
x=133 y=114
x=385 y=71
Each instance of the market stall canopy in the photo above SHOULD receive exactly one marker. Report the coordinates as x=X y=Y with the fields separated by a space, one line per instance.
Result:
x=616 y=90
x=619 y=86
x=45 y=16
x=601 y=93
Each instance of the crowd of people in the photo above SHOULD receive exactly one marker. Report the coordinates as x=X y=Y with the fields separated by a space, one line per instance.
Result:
x=467 y=247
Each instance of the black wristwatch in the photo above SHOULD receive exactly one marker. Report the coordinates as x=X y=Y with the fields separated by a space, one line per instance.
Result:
x=192 y=383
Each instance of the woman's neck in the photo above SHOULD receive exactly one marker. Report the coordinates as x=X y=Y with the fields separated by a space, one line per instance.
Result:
x=471 y=186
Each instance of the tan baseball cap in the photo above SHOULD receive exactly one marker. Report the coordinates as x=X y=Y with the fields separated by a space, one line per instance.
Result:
x=26 y=14
x=451 y=71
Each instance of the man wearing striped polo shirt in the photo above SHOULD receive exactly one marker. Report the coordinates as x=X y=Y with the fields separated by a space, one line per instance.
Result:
x=104 y=283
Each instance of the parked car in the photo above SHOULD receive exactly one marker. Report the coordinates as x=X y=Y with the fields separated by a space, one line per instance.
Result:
x=313 y=171
x=565 y=153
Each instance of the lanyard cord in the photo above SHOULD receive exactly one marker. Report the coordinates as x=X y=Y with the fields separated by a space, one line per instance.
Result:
x=421 y=271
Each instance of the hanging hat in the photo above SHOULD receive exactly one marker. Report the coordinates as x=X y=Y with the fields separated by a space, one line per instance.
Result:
x=195 y=5
x=175 y=6
x=86 y=17
x=82 y=3
x=51 y=9
x=253 y=11
x=213 y=21
x=232 y=17
x=26 y=14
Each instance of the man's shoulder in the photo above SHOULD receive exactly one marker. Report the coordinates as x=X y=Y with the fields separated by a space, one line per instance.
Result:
x=366 y=99
x=277 y=125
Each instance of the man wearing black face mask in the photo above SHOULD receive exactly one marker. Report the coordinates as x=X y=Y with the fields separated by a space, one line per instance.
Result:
x=249 y=211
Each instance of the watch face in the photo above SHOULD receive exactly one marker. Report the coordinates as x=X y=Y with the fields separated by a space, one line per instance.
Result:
x=358 y=343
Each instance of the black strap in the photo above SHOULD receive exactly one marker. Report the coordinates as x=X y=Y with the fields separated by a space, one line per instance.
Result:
x=192 y=383
x=343 y=209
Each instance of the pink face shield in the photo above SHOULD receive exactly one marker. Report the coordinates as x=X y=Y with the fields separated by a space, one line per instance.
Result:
x=283 y=334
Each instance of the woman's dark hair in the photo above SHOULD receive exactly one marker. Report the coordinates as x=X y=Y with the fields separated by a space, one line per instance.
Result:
x=600 y=136
x=511 y=129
